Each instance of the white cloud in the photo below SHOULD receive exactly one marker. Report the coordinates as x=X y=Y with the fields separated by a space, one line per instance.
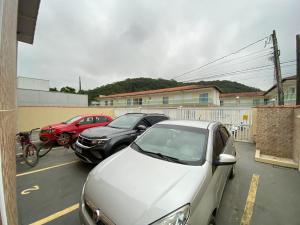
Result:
x=109 y=40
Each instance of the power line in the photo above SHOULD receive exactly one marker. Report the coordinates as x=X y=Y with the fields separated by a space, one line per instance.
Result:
x=245 y=61
x=247 y=70
x=223 y=57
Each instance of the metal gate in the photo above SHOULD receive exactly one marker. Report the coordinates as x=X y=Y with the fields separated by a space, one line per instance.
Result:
x=237 y=120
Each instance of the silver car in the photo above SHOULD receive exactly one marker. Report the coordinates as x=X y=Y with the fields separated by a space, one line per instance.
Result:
x=173 y=174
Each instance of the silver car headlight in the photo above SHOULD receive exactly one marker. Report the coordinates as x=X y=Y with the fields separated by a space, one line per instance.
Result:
x=100 y=141
x=178 y=217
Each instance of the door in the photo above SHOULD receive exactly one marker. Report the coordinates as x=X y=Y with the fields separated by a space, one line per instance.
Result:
x=84 y=123
x=100 y=121
x=219 y=172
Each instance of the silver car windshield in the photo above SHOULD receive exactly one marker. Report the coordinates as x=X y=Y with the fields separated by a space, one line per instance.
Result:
x=125 y=122
x=174 y=143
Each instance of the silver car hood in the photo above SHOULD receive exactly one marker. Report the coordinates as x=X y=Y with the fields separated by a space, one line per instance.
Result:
x=135 y=189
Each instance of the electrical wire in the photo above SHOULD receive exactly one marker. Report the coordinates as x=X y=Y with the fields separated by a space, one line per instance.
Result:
x=223 y=57
x=239 y=63
x=247 y=70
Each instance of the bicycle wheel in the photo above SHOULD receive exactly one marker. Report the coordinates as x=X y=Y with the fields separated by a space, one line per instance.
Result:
x=43 y=150
x=30 y=155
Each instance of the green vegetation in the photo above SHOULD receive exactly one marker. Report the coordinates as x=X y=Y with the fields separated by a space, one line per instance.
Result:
x=144 y=84
x=68 y=90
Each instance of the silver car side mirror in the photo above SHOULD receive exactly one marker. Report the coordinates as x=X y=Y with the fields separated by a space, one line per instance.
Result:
x=225 y=159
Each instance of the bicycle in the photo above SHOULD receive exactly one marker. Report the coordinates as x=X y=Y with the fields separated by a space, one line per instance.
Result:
x=29 y=150
x=66 y=139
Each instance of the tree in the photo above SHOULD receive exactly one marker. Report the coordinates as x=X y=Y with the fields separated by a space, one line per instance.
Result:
x=68 y=89
x=53 y=89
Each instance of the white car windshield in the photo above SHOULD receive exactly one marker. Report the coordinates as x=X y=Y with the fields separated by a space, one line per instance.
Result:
x=174 y=143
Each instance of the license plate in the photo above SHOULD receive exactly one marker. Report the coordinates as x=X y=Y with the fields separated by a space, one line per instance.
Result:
x=77 y=149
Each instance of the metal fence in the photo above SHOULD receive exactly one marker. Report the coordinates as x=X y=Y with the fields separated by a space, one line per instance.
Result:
x=237 y=120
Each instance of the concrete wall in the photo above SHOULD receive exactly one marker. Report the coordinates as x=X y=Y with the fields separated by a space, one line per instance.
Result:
x=8 y=66
x=254 y=124
x=30 y=117
x=32 y=83
x=297 y=135
x=277 y=132
x=46 y=98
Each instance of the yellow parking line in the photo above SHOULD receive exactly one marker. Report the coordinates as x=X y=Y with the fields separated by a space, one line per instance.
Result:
x=56 y=215
x=248 y=211
x=46 y=168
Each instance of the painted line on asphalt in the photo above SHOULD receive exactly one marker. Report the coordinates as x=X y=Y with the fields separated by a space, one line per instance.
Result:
x=248 y=211
x=46 y=168
x=56 y=215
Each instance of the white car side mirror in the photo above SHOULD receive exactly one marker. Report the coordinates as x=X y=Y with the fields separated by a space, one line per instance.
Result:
x=225 y=159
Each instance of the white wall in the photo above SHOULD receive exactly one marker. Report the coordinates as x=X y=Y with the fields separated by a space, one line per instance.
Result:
x=175 y=98
x=46 y=98
x=289 y=99
x=32 y=83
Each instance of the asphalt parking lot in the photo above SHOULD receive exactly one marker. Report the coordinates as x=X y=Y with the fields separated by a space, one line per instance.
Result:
x=259 y=194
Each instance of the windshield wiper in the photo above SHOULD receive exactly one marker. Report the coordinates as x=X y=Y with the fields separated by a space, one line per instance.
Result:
x=165 y=157
x=158 y=155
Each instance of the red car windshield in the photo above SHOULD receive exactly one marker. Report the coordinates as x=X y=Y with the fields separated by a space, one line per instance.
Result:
x=72 y=120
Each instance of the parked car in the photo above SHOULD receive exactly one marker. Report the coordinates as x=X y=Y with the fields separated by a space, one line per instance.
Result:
x=174 y=174
x=95 y=144
x=76 y=124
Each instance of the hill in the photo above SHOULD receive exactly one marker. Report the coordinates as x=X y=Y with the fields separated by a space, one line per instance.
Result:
x=144 y=84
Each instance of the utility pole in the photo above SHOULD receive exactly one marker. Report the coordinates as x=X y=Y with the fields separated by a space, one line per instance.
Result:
x=277 y=70
x=79 y=84
x=298 y=70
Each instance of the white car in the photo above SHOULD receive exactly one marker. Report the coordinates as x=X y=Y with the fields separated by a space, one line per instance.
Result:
x=173 y=174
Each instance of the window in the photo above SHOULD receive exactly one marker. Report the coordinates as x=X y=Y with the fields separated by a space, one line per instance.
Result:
x=203 y=98
x=129 y=101
x=186 y=144
x=224 y=133
x=111 y=102
x=143 y=122
x=137 y=101
x=221 y=102
x=125 y=121
x=106 y=102
x=256 y=101
x=72 y=120
x=218 y=145
x=155 y=119
x=165 y=100
x=100 y=119
x=86 y=120
x=140 y=101
x=291 y=93
x=292 y=90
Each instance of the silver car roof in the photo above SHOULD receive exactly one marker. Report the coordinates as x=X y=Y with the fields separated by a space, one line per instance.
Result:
x=190 y=123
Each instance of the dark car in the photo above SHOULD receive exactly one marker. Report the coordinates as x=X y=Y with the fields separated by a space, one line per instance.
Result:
x=95 y=144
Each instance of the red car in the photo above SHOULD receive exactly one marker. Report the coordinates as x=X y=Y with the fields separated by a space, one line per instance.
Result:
x=76 y=124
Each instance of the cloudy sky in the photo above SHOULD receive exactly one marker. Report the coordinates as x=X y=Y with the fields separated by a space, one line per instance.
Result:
x=104 y=41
